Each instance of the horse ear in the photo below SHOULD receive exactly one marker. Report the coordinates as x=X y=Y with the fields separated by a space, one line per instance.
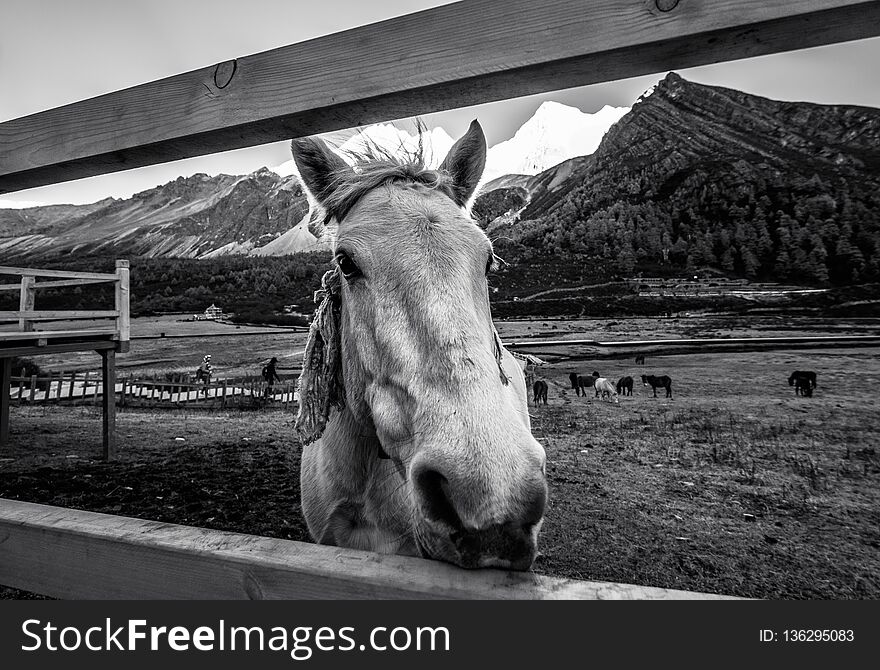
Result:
x=465 y=162
x=318 y=166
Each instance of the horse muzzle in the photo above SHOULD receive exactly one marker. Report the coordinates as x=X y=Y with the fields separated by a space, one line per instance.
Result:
x=508 y=546
x=445 y=531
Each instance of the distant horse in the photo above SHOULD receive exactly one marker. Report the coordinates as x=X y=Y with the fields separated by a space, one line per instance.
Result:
x=802 y=387
x=540 y=391
x=443 y=464
x=804 y=381
x=625 y=386
x=663 y=381
x=606 y=388
x=580 y=383
x=640 y=359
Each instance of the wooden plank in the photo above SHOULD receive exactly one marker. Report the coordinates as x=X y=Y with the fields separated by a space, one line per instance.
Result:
x=37 y=272
x=86 y=387
x=67 y=347
x=5 y=401
x=451 y=56
x=97 y=332
x=98 y=385
x=57 y=315
x=108 y=414
x=71 y=282
x=69 y=553
x=56 y=284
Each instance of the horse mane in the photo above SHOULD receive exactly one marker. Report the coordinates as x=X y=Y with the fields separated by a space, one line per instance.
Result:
x=374 y=166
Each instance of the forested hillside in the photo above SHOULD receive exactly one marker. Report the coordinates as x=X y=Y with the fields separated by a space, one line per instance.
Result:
x=698 y=176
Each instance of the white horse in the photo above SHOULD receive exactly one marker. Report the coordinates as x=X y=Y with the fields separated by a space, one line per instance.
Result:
x=606 y=388
x=413 y=415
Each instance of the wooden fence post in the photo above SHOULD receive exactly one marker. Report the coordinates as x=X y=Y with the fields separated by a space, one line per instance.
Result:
x=122 y=396
x=26 y=302
x=123 y=321
x=5 y=381
x=60 y=385
x=85 y=387
x=21 y=385
x=108 y=415
x=33 y=390
x=70 y=388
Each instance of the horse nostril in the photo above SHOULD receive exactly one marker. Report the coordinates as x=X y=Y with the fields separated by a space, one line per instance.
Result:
x=433 y=489
x=535 y=506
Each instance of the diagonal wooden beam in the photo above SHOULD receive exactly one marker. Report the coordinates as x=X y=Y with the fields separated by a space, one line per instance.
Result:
x=451 y=56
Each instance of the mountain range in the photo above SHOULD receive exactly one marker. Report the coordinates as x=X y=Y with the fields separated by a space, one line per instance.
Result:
x=266 y=213
x=691 y=176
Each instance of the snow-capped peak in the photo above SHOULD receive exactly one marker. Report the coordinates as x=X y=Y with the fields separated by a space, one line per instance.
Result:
x=555 y=133
x=647 y=92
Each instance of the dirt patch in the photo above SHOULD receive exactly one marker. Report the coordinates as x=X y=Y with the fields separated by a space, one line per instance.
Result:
x=232 y=471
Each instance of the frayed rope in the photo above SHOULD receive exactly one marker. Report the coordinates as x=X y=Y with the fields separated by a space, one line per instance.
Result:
x=321 y=385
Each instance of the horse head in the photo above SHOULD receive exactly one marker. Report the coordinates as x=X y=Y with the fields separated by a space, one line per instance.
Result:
x=420 y=415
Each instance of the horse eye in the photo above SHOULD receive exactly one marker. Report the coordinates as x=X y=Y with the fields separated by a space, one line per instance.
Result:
x=349 y=267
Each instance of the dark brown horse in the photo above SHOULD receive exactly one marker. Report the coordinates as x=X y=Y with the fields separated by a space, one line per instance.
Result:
x=625 y=386
x=540 y=391
x=663 y=381
x=804 y=381
x=580 y=383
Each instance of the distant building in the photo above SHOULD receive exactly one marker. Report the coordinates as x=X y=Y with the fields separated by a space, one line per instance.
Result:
x=213 y=313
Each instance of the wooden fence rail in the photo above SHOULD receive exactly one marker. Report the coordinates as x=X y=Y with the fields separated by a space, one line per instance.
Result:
x=27 y=315
x=460 y=54
x=68 y=553
x=86 y=388
x=109 y=335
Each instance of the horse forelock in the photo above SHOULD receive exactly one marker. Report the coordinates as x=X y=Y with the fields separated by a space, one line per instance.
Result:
x=376 y=167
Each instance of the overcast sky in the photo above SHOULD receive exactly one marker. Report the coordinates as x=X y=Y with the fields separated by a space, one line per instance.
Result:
x=54 y=52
